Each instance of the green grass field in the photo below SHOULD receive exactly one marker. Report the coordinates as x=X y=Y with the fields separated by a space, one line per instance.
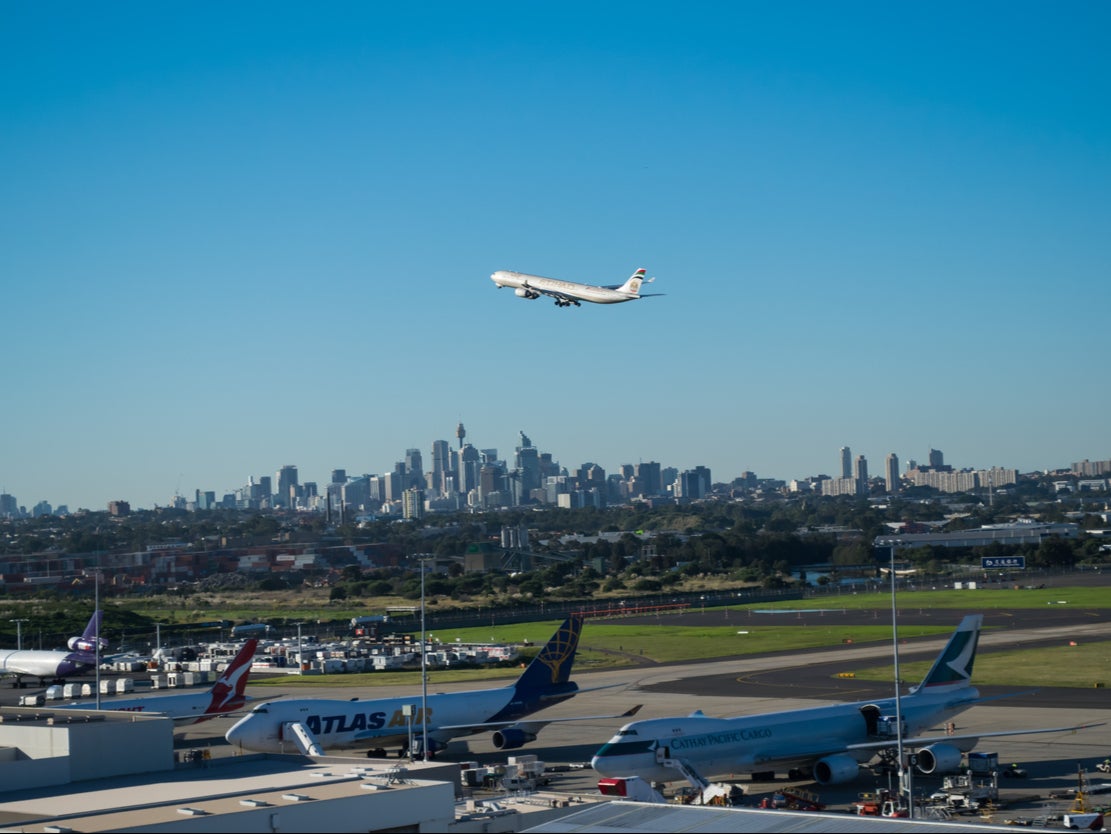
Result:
x=611 y=644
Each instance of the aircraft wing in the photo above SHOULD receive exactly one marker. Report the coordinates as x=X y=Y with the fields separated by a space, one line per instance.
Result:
x=536 y=726
x=923 y=741
x=562 y=296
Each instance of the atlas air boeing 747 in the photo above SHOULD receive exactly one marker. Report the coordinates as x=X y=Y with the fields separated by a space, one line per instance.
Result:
x=827 y=743
x=313 y=725
x=572 y=293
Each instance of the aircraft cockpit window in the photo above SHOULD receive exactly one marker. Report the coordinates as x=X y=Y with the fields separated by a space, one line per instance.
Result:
x=626 y=732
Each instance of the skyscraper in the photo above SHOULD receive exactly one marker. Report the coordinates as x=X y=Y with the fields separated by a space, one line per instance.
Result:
x=891 y=472
x=287 y=486
x=414 y=467
x=441 y=465
x=860 y=471
x=846 y=462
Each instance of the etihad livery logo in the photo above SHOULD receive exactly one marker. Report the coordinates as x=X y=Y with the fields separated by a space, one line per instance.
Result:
x=561 y=648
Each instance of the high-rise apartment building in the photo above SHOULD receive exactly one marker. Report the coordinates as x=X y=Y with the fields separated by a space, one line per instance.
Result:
x=412 y=503
x=846 y=462
x=860 y=471
x=891 y=473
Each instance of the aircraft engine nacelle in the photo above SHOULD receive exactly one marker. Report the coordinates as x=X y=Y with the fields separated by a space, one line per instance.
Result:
x=511 y=738
x=84 y=644
x=833 y=770
x=525 y=292
x=939 y=758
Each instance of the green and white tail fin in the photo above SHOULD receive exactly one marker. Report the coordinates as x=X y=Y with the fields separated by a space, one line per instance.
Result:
x=953 y=667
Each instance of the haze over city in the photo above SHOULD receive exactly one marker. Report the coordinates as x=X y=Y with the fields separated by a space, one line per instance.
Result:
x=237 y=237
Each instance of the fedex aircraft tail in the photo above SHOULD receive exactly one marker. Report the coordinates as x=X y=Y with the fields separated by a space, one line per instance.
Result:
x=953 y=667
x=632 y=286
x=550 y=671
x=85 y=646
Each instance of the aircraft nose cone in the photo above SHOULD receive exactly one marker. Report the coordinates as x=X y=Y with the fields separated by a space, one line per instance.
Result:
x=235 y=733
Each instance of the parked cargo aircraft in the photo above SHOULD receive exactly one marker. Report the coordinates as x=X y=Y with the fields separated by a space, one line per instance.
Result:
x=827 y=743
x=567 y=293
x=51 y=665
x=225 y=696
x=313 y=725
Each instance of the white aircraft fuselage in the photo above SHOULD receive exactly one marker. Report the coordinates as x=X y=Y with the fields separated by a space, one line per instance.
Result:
x=770 y=742
x=42 y=664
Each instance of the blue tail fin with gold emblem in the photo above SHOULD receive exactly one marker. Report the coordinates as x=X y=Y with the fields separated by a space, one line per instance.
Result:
x=551 y=668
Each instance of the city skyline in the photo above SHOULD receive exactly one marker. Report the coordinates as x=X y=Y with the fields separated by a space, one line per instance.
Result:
x=236 y=236
x=838 y=459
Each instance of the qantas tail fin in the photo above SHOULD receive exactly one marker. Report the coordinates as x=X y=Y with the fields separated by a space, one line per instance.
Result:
x=551 y=668
x=953 y=667
x=229 y=691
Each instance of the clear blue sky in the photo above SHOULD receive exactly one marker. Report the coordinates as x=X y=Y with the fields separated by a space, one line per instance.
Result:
x=240 y=235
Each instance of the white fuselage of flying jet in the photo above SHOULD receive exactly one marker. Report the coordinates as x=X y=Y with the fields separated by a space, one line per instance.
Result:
x=532 y=286
x=766 y=742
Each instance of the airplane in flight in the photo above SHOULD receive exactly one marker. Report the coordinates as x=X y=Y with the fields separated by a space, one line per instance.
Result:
x=826 y=743
x=568 y=293
x=226 y=695
x=56 y=664
x=313 y=725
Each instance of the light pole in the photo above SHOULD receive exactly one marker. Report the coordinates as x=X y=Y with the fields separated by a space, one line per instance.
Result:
x=18 y=633
x=96 y=631
x=423 y=675
x=898 y=701
x=300 y=661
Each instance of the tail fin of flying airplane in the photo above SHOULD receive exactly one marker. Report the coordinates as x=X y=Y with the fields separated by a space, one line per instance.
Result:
x=550 y=670
x=953 y=667
x=632 y=286
x=229 y=691
x=86 y=643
